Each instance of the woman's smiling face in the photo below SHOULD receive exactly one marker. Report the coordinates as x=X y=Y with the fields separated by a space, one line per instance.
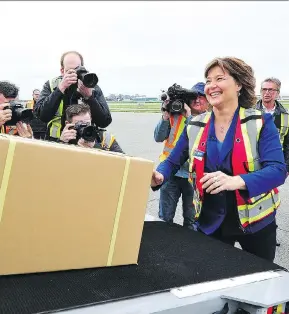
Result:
x=221 y=88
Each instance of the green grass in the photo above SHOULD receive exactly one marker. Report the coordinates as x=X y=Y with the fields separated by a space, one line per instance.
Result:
x=146 y=107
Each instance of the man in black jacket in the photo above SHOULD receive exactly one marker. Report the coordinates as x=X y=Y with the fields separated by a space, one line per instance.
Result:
x=270 y=90
x=39 y=127
x=59 y=93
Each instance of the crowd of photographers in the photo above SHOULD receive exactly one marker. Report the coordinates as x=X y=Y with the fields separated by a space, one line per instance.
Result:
x=71 y=109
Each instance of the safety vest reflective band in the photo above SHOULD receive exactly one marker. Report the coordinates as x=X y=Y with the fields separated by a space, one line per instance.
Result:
x=245 y=159
x=107 y=140
x=277 y=309
x=55 y=123
x=284 y=126
x=11 y=130
x=177 y=123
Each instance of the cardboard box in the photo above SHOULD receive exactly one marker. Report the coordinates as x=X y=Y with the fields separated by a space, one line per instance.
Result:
x=65 y=207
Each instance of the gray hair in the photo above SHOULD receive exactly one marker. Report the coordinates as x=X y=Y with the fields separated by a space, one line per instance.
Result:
x=273 y=80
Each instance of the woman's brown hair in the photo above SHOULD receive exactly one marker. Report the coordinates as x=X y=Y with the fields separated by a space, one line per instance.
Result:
x=242 y=73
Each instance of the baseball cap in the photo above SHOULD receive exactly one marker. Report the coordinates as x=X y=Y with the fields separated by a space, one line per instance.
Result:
x=199 y=87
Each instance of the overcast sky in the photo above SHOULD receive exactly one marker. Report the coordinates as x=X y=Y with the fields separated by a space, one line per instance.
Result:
x=141 y=47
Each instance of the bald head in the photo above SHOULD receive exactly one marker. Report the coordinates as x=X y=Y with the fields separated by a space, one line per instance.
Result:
x=70 y=60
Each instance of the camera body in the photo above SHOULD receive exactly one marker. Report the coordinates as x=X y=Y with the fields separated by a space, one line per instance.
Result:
x=89 y=80
x=177 y=97
x=88 y=132
x=19 y=113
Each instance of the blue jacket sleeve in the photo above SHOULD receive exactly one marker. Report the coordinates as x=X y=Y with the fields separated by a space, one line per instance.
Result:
x=273 y=172
x=178 y=156
x=162 y=130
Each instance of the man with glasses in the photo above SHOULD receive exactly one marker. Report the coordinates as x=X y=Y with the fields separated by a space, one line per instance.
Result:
x=168 y=131
x=270 y=91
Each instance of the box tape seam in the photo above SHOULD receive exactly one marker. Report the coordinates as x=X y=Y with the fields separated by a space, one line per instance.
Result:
x=6 y=174
x=118 y=212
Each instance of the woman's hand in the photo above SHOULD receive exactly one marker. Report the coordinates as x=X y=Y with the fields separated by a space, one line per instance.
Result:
x=157 y=179
x=216 y=182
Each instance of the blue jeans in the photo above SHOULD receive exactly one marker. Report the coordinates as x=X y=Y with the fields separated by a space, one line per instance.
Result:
x=170 y=193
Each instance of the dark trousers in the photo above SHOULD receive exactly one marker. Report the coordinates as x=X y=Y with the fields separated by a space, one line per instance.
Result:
x=39 y=135
x=261 y=243
x=170 y=194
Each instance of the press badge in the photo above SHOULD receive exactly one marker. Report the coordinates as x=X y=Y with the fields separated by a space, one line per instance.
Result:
x=198 y=154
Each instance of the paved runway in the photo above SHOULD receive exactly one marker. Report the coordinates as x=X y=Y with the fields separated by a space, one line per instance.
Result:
x=134 y=132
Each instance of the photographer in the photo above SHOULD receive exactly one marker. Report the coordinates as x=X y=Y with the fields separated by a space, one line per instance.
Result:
x=169 y=129
x=60 y=92
x=80 y=115
x=8 y=93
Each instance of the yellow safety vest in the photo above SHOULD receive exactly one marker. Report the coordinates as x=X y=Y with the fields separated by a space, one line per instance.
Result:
x=245 y=159
x=30 y=104
x=107 y=140
x=177 y=123
x=55 y=123
x=284 y=128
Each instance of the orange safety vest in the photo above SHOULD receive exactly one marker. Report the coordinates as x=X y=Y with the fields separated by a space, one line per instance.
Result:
x=245 y=159
x=11 y=130
x=177 y=123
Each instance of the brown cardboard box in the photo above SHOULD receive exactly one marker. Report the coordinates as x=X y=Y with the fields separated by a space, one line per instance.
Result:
x=65 y=207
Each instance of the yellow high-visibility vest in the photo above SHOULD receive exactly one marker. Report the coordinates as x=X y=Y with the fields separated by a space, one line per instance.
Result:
x=55 y=123
x=107 y=140
x=245 y=159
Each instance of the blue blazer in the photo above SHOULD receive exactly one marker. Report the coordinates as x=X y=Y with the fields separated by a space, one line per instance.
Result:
x=218 y=158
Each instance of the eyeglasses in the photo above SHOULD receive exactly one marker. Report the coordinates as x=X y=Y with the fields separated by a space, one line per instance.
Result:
x=269 y=90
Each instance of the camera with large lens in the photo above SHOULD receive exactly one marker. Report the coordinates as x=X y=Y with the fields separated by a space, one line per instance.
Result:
x=89 y=80
x=177 y=97
x=19 y=113
x=88 y=132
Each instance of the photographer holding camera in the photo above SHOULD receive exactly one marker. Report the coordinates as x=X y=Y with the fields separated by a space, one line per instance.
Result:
x=74 y=85
x=179 y=106
x=13 y=115
x=80 y=131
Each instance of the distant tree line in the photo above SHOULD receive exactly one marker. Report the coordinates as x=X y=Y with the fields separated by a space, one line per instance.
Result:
x=121 y=97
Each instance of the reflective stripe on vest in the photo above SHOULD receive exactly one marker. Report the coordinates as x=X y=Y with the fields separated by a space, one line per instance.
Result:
x=177 y=123
x=245 y=159
x=107 y=141
x=55 y=123
x=11 y=130
x=284 y=126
